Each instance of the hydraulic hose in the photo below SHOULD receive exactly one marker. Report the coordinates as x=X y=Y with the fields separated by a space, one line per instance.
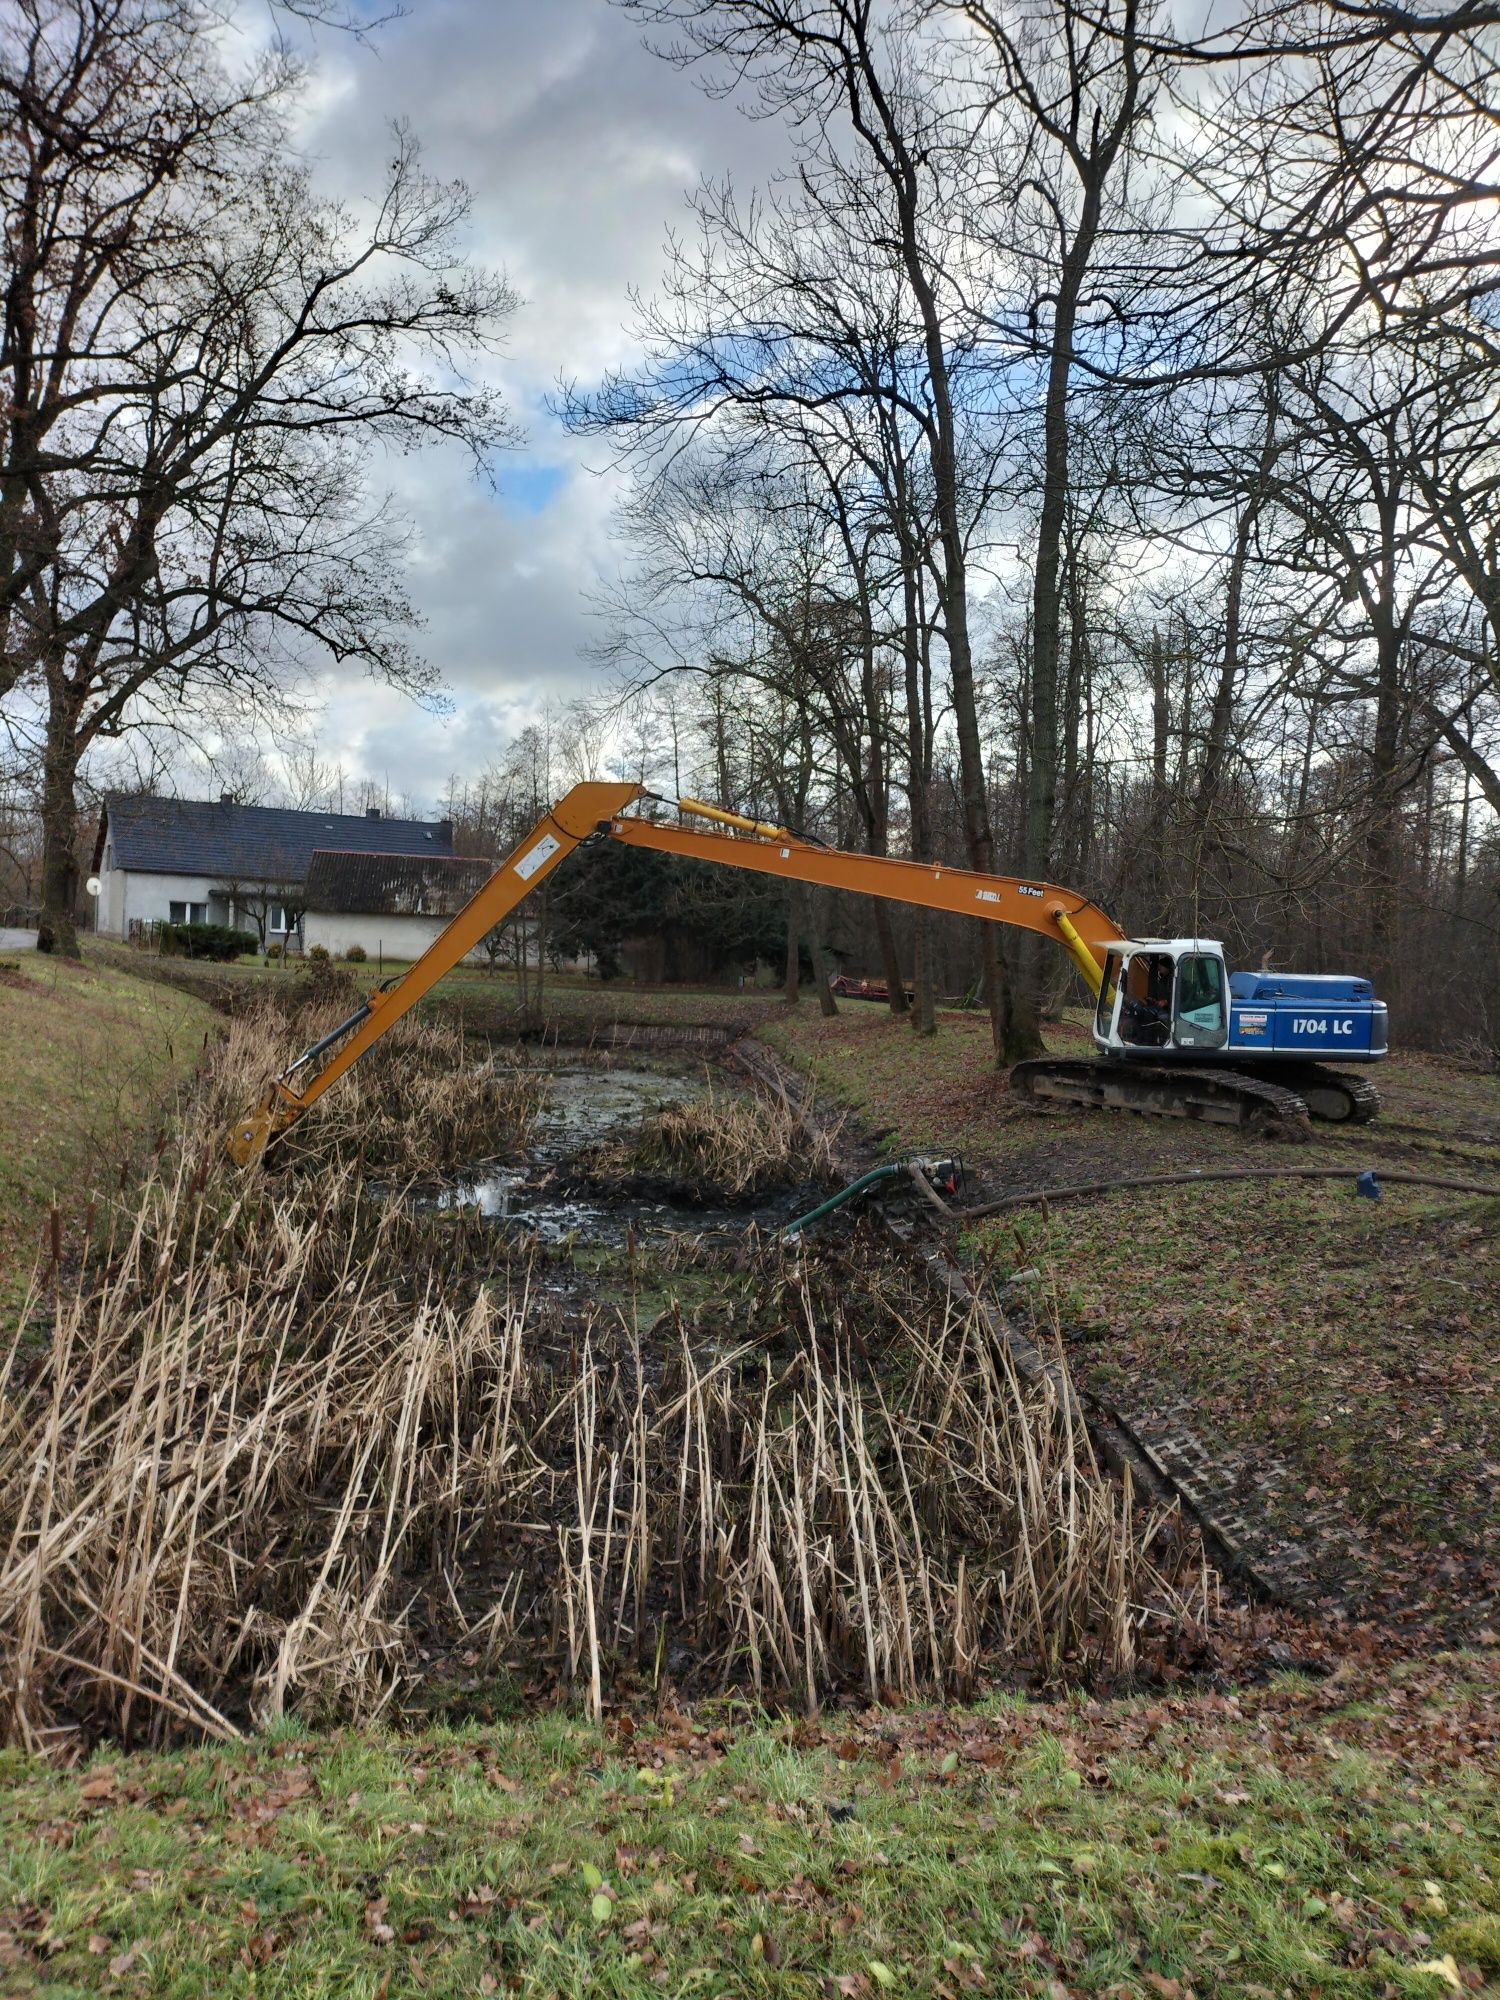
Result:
x=871 y=1179
x=1040 y=1197
x=922 y=1170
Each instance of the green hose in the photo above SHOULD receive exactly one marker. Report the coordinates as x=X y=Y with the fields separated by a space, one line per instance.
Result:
x=885 y=1173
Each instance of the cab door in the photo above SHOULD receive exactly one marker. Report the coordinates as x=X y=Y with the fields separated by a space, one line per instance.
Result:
x=1109 y=997
x=1200 y=1006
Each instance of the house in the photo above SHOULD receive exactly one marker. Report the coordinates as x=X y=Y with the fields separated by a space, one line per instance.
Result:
x=393 y=905
x=197 y=861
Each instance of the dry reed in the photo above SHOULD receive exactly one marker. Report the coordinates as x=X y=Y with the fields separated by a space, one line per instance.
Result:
x=731 y=1144
x=278 y=1434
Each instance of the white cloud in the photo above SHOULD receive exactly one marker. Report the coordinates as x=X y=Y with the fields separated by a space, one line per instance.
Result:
x=578 y=145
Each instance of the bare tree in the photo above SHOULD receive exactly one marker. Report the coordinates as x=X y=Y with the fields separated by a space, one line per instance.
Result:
x=198 y=356
x=261 y=899
x=1069 y=86
x=880 y=153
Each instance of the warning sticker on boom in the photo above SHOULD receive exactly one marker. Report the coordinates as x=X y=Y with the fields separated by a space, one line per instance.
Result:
x=537 y=857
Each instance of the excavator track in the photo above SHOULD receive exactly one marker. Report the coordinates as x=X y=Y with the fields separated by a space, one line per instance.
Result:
x=1333 y=1096
x=1216 y=1096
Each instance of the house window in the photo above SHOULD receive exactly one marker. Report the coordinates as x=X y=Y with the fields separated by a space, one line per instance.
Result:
x=187 y=913
x=277 y=919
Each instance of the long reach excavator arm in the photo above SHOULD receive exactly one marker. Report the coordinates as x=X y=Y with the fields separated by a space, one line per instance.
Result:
x=602 y=810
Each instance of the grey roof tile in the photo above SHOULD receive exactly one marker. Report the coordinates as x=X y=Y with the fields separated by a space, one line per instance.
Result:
x=251 y=843
x=393 y=884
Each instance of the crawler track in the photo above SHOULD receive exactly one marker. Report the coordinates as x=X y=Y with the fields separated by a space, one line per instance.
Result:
x=1333 y=1096
x=1215 y=1096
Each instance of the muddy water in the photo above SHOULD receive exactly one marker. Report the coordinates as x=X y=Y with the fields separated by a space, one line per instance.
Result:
x=527 y=1192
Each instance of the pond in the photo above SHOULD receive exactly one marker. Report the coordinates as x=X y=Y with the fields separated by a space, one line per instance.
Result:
x=583 y=1106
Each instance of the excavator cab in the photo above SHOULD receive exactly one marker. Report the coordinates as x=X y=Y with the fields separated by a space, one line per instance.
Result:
x=1163 y=995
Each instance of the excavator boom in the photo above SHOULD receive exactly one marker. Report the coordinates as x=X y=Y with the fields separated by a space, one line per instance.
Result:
x=1083 y=930
x=1071 y=920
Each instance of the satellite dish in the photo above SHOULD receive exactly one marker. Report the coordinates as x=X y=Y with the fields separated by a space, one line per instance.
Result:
x=92 y=885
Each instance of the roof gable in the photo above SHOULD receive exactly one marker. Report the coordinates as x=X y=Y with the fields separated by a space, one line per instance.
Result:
x=251 y=843
x=393 y=885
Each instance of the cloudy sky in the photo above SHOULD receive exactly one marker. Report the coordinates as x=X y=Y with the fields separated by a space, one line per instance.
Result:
x=579 y=146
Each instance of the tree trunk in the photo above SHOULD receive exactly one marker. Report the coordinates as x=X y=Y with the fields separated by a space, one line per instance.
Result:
x=919 y=772
x=1383 y=848
x=792 y=977
x=1046 y=611
x=1012 y=1037
x=890 y=957
x=924 y=1013
x=827 y=1005
x=1221 y=714
x=876 y=793
x=541 y=947
x=56 y=930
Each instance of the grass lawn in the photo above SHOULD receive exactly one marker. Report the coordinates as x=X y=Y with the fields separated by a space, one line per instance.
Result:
x=89 y=1055
x=1352 y=1340
x=488 y=1001
x=1293 y=1841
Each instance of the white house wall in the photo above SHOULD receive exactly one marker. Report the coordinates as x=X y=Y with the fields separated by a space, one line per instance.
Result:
x=128 y=896
x=109 y=910
x=402 y=937
x=131 y=895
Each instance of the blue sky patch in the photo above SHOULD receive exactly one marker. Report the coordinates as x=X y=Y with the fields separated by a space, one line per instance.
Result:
x=529 y=488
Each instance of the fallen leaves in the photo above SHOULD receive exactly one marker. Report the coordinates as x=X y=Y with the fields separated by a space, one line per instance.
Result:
x=375 y=1924
x=1444 y=1968
x=476 y=1902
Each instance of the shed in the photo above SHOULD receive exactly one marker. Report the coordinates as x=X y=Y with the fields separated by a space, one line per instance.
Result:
x=390 y=904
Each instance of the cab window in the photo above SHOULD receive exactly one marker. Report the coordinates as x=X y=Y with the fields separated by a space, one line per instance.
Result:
x=1200 y=1022
x=1106 y=1007
x=1146 y=1009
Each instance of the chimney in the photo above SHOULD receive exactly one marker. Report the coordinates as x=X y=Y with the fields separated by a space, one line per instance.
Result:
x=445 y=832
x=372 y=812
x=226 y=798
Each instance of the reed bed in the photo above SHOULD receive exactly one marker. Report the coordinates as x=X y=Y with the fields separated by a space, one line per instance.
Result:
x=804 y=1521
x=425 y=1101
x=273 y=1438
x=734 y=1145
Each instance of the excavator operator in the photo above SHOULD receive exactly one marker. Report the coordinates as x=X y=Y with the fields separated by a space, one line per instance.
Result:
x=1146 y=1013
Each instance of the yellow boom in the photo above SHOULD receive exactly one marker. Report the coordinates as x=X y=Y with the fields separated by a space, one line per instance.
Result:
x=1071 y=920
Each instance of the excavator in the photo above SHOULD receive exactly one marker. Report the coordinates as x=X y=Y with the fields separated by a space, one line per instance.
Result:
x=1175 y=1032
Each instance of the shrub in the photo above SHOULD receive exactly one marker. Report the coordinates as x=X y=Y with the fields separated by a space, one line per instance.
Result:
x=273 y=951
x=321 y=983
x=356 y=955
x=318 y=955
x=213 y=941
